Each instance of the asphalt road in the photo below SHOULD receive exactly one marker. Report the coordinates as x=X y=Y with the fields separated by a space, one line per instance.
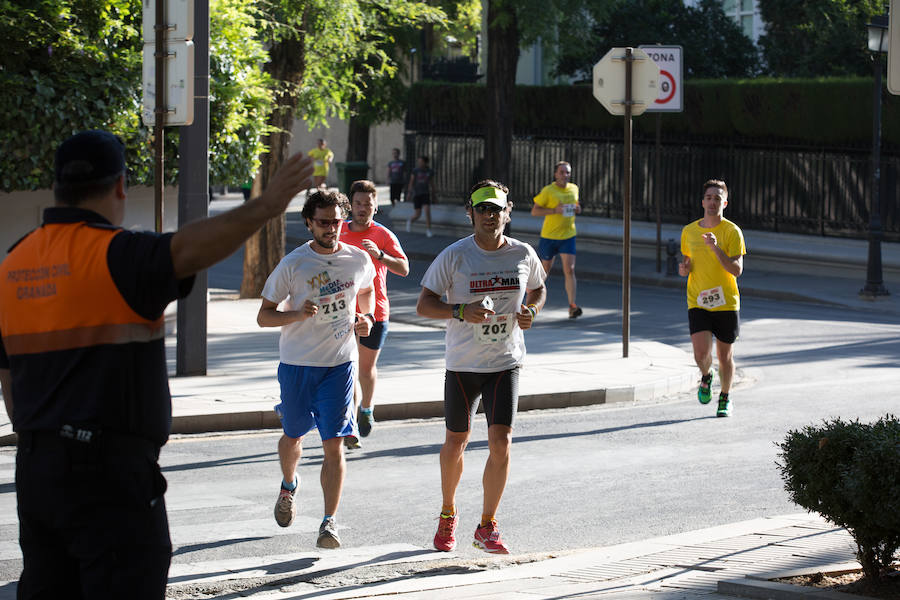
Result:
x=587 y=477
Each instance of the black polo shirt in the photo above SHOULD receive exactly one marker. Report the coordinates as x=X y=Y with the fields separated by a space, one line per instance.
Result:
x=118 y=387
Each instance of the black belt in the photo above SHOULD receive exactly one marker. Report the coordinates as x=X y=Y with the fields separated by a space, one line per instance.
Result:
x=89 y=442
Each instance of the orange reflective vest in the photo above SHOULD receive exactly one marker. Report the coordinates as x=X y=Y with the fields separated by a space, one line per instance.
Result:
x=56 y=293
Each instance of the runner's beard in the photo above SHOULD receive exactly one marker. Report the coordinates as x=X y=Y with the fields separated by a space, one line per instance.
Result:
x=326 y=242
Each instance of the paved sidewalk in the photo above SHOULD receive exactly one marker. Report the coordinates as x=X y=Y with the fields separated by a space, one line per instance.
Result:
x=720 y=562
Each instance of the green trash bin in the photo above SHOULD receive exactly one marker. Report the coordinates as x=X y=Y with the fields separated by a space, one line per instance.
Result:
x=348 y=172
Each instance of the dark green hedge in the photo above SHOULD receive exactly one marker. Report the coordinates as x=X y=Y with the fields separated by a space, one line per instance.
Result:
x=813 y=112
x=849 y=472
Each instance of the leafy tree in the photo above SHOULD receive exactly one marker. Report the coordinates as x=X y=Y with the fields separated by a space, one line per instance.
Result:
x=390 y=34
x=817 y=37
x=240 y=92
x=513 y=24
x=315 y=49
x=461 y=28
x=576 y=33
x=66 y=67
x=463 y=24
x=69 y=65
x=312 y=46
x=714 y=45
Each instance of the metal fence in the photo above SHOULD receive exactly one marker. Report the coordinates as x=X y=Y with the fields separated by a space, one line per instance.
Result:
x=798 y=191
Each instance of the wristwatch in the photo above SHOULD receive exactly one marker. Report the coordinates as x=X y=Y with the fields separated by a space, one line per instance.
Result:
x=381 y=255
x=457 y=311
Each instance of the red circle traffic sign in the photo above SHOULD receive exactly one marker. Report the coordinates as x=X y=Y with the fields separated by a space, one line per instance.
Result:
x=665 y=74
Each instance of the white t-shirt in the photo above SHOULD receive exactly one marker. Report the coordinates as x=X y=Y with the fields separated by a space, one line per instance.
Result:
x=332 y=281
x=465 y=273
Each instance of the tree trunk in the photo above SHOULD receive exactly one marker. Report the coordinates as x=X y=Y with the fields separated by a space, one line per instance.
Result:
x=503 y=55
x=265 y=248
x=357 y=140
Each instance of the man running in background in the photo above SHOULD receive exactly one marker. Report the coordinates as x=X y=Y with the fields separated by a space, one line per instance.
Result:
x=558 y=204
x=384 y=249
x=421 y=188
x=321 y=283
x=322 y=157
x=396 y=170
x=713 y=250
x=494 y=289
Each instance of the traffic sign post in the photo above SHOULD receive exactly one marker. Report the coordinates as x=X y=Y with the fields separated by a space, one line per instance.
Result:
x=175 y=89
x=625 y=83
x=669 y=60
x=159 y=35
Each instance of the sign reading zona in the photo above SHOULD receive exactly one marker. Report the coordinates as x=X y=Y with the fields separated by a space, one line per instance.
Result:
x=669 y=59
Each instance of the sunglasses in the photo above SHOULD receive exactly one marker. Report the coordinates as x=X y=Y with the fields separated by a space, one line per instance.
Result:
x=487 y=207
x=327 y=223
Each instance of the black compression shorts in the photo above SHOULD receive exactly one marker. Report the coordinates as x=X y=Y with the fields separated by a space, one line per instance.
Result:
x=724 y=324
x=498 y=392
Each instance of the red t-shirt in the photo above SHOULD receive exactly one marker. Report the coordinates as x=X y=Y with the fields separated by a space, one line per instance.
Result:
x=385 y=240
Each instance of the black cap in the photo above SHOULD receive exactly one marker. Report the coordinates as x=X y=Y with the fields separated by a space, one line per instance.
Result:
x=89 y=157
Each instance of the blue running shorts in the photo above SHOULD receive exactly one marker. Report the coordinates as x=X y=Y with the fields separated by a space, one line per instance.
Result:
x=319 y=397
x=376 y=337
x=548 y=248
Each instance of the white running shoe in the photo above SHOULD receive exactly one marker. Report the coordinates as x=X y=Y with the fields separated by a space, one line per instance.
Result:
x=285 y=508
x=328 y=535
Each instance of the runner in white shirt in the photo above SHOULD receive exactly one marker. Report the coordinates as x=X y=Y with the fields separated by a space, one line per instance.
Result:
x=318 y=286
x=494 y=288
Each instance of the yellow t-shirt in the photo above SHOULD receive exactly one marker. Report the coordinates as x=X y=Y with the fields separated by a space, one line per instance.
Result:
x=557 y=226
x=321 y=160
x=707 y=273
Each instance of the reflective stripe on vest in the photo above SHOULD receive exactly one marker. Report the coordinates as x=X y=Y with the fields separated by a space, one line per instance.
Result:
x=56 y=293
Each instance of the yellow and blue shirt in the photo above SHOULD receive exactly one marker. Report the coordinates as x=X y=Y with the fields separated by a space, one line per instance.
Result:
x=557 y=226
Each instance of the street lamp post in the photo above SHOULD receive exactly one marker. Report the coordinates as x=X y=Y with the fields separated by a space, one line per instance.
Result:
x=878 y=44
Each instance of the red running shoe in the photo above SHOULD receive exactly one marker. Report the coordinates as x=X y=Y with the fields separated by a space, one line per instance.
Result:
x=487 y=538
x=445 y=538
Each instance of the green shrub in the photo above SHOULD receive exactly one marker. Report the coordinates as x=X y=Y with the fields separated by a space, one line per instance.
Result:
x=831 y=112
x=849 y=472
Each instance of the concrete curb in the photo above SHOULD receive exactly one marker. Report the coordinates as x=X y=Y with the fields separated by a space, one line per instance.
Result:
x=773 y=590
x=764 y=586
x=266 y=419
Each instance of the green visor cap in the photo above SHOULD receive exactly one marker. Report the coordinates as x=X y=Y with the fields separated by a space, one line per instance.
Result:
x=489 y=194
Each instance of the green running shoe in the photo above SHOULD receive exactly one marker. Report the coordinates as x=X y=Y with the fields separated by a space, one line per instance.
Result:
x=704 y=392
x=724 y=406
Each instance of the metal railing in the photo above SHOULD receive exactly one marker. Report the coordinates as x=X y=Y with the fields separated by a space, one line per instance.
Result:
x=789 y=190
